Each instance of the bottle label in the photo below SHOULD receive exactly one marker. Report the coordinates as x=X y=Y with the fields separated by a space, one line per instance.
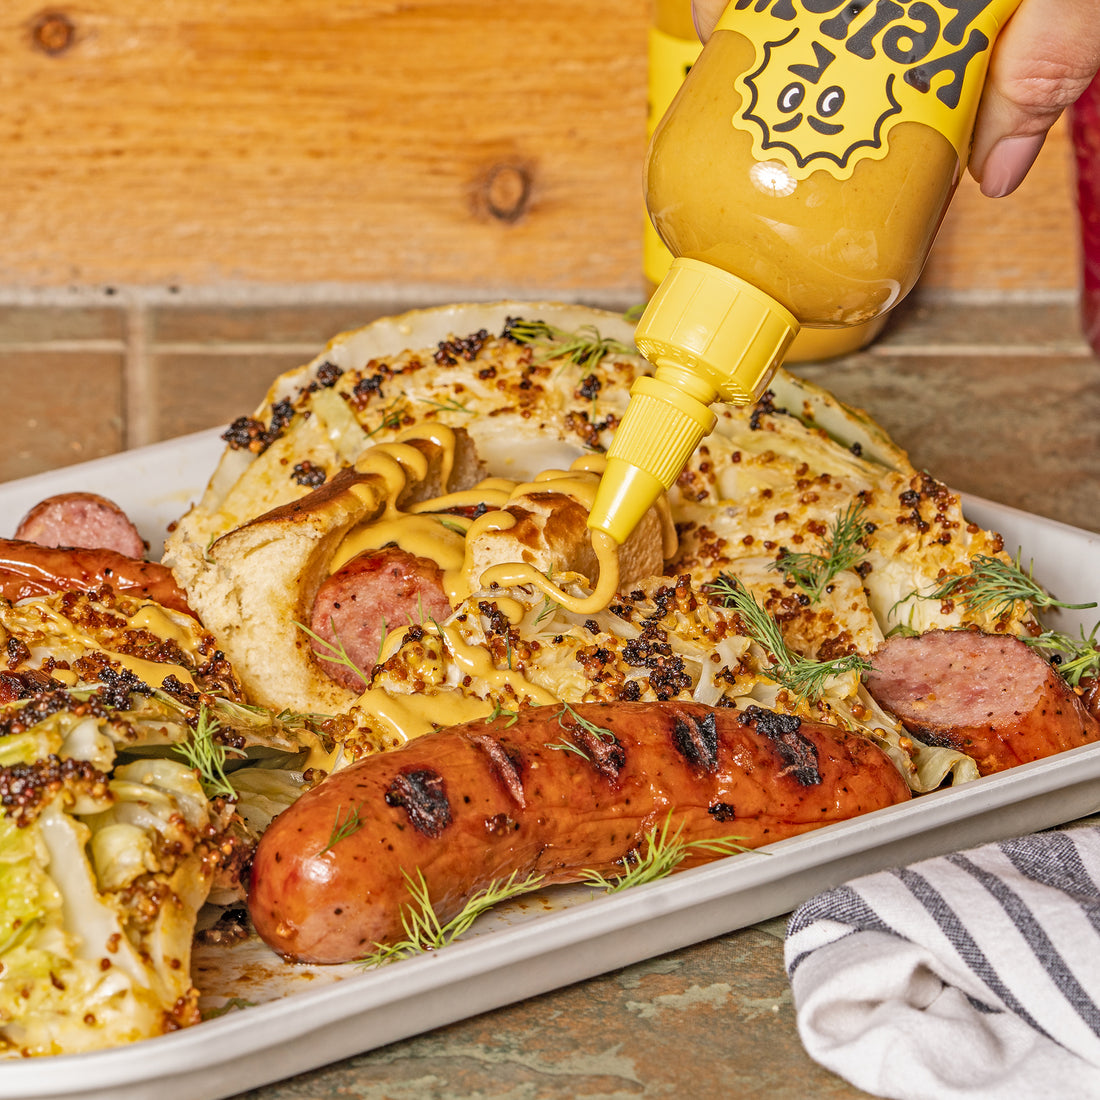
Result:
x=832 y=76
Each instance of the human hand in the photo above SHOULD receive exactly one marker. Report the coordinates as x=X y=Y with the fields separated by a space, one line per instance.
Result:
x=1042 y=61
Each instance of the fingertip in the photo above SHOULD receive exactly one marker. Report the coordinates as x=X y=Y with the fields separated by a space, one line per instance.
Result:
x=1007 y=164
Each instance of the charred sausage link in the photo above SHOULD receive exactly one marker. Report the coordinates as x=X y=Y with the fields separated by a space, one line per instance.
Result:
x=988 y=695
x=27 y=569
x=555 y=791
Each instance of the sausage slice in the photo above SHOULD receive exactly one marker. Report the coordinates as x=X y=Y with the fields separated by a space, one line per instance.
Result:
x=374 y=593
x=85 y=520
x=988 y=695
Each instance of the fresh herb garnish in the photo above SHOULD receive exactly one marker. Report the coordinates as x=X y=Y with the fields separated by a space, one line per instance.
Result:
x=549 y=607
x=994 y=585
x=803 y=676
x=450 y=405
x=423 y=929
x=565 y=745
x=345 y=825
x=337 y=654
x=661 y=855
x=600 y=733
x=392 y=415
x=500 y=711
x=902 y=630
x=813 y=572
x=232 y=1004
x=1075 y=660
x=584 y=348
x=207 y=756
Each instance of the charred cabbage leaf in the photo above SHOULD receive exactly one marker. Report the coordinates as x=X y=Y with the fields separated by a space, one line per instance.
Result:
x=111 y=834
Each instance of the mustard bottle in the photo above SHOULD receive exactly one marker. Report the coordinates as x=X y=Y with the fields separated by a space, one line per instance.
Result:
x=673 y=48
x=798 y=178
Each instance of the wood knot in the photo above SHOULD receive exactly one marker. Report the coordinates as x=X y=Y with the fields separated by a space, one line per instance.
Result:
x=53 y=32
x=507 y=191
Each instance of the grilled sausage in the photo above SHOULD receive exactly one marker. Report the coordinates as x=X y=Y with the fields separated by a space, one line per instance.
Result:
x=988 y=695
x=85 y=520
x=472 y=804
x=27 y=569
x=377 y=591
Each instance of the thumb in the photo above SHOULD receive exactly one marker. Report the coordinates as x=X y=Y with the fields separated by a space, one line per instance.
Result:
x=1042 y=61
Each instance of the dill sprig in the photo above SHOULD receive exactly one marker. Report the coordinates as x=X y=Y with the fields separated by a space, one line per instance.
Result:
x=803 y=676
x=452 y=404
x=345 y=825
x=814 y=572
x=995 y=585
x=392 y=415
x=565 y=745
x=337 y=654
x=1075 y=660
x=232 y=1004
x=501 y=711
x=207 y=756
x=584 y=348
x=600 y=733
x=423 y=929
x=549 y=607
x=661 y=855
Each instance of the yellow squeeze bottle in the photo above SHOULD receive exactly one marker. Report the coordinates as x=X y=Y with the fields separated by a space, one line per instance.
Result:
x=798 y=178
x=673 y=48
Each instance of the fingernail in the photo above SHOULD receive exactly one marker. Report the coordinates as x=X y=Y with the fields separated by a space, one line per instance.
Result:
x=1007 y=164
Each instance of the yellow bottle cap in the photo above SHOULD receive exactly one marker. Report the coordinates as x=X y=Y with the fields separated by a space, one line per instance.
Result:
x=709 y=335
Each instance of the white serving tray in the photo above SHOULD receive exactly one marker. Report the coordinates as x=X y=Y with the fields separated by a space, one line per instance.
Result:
x=300 y=1018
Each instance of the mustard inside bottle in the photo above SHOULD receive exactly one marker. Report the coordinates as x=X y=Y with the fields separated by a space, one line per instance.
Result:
x=799 y=177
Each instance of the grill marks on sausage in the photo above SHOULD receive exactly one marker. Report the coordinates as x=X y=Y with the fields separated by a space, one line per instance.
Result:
x=798 y=753
x=506 y=767
x=607 y=754
x=600 y=747
x=420 y=793
x=577 y=818
x=697 y=741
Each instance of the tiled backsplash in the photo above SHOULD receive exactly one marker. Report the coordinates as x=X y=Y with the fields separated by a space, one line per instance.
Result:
x=90 y=379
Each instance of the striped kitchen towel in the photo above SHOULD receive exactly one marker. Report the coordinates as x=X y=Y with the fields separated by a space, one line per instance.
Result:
x=972 y=975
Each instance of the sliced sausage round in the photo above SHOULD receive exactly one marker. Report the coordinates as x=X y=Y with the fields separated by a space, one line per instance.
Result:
x=988 y=695
x=376 y=592
x=84 y=520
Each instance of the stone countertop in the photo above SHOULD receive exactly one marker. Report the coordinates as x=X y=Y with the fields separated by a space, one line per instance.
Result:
x=1001 y=400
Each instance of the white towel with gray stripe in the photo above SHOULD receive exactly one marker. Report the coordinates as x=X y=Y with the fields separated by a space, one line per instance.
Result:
x=973 y=975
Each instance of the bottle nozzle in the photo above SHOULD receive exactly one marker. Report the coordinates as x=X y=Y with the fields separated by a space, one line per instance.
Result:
x=709 y=334
x=662 y=427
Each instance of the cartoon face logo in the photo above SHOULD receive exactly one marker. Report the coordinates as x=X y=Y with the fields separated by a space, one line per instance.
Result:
x=818 y=105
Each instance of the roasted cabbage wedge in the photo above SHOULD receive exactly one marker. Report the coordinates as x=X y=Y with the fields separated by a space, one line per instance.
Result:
x=121 y=727
x=769 y=493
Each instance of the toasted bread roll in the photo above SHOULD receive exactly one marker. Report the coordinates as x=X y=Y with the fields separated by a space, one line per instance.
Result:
x=259 y=592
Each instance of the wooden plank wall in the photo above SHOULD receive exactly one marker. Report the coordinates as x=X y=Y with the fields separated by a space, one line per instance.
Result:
x=445 y=145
